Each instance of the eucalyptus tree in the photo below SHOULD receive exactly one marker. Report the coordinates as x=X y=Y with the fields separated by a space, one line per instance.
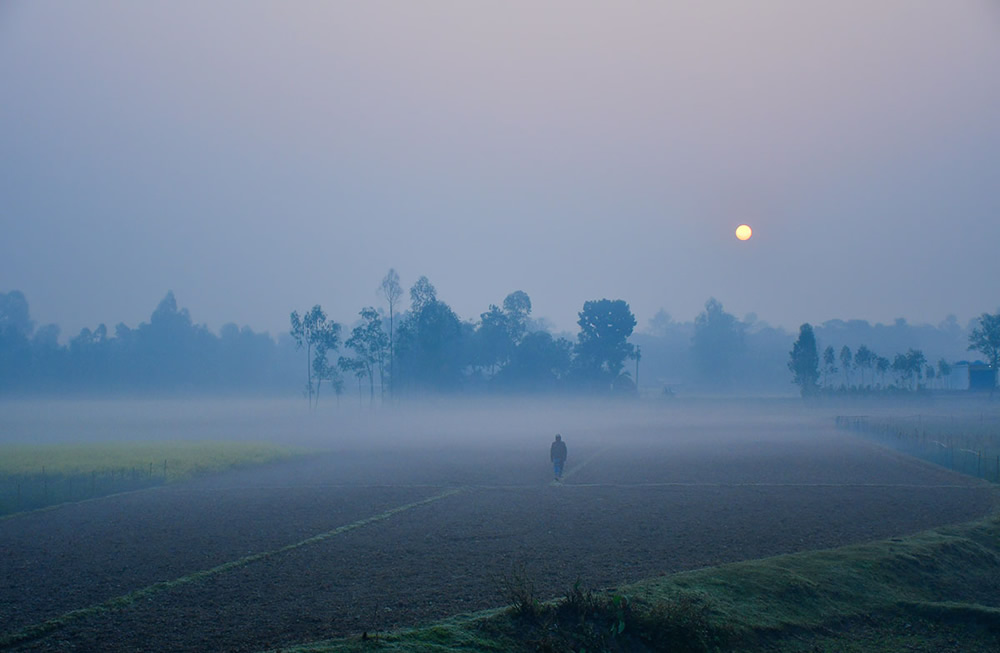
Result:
x=360 y=370
x=370 y=344
x=909 y=367
x=829 y=364
x=864 y=359
x=317 y=335
x=916 y=360
x=392 y=292
x=846 y=360
x=882 y=367
x=323 y=370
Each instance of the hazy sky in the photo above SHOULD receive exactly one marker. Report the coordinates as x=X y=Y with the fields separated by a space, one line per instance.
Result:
x=262 y=157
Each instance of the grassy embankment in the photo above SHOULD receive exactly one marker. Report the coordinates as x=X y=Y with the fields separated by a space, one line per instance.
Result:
x=37 y=476
x=934 y=591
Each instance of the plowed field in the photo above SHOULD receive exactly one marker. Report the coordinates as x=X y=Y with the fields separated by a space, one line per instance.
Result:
x=375 y=538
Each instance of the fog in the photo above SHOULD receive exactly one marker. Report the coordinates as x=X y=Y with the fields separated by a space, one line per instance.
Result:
x=413 y=511
x=442 y=423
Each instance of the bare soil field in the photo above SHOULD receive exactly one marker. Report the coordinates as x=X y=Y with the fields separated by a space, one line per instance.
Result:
x=379 y=537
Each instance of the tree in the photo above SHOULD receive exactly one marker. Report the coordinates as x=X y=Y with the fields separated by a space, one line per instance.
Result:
x=517 y=308
x=985 y=338
x=360 y=370
x=804 y=363
x=14 y=314
x=494 y=339
x=660 y=323
x=317 y=335
x=538 y=363
x=909 y=367
x=324 y=371
x=829 y=364
x=881 y=366
x=370 y=343
x=430 y=351
x=915 y=362
x=943 y=371
x=864 y=359
x=16 y=327
x=392 y=292
x=846 y=359
x=900 y=369
x=718 y=341
x=602 y=344
x=422 y=294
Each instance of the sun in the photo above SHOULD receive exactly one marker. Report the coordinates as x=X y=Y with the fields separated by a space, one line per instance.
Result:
x=743 y=232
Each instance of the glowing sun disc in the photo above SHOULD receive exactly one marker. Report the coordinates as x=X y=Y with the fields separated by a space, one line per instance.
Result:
x=743 y=232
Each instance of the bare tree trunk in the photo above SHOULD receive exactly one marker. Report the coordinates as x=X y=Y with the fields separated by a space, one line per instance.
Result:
x=309 y=375
x=392 y=356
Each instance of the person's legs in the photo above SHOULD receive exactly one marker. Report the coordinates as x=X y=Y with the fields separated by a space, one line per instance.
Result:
x=557 y=467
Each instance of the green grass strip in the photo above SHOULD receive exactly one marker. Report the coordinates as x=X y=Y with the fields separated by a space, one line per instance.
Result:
x=41 y=629
x=943 y=583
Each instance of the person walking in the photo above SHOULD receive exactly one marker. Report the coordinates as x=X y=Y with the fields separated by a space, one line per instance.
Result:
x=557 y=454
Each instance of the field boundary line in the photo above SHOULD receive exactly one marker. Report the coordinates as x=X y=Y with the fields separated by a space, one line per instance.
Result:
x=577 y=468
x=908 y=486
x=38 y=630
x=527 y=486
x=64 y=504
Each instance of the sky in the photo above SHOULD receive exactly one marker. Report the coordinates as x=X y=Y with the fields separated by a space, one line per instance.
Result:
x=262 y=157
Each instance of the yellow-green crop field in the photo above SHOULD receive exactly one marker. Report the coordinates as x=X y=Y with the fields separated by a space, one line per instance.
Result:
x=35 y=476
x=181 y=459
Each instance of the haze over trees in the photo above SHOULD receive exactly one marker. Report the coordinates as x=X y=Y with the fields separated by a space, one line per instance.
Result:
x=804 y=362
x=395 y=350
x=719 y=340
x=168 y=354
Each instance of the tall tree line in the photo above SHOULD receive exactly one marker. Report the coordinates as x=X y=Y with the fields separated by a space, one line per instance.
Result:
x=427 y=348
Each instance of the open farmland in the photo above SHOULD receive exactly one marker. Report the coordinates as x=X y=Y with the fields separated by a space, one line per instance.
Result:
x=379 y=533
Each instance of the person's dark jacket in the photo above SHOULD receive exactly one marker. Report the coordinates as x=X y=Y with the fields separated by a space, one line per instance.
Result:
x=558 y=450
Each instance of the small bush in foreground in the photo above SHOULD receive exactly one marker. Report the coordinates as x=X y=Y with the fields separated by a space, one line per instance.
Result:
x=679 y=624
x=518 y=590
x=585 y=620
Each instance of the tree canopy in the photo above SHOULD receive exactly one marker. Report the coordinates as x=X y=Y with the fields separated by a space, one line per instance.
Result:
x=602 y=344
x=804 y=362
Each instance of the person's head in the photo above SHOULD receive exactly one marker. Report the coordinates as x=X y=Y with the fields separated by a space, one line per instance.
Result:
x=558 y=437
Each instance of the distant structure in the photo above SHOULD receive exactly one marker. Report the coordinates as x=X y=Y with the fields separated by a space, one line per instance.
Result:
x=982 y=377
